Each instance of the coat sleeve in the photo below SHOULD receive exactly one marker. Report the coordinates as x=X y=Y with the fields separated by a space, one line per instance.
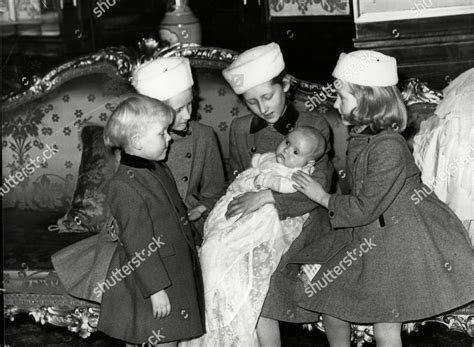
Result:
x=212 y=185
x=384 y=179
x=297 y=204
x=235 y=161
x=136 y=235
x=275 y=182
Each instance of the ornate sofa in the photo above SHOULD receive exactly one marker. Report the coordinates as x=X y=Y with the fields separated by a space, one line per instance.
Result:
x=51 y=114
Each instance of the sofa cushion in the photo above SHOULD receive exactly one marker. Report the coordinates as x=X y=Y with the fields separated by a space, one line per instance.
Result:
x=88 y=211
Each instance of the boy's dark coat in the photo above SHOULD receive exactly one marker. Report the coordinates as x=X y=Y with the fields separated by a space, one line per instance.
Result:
x=147 y=206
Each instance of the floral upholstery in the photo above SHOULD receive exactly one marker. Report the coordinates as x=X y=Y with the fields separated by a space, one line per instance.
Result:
x=56 y=120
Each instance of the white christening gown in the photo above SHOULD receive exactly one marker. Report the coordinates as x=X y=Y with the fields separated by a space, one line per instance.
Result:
x=239 y=255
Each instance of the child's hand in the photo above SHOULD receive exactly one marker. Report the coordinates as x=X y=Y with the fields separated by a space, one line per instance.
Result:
x=160 y=304
x=196 y=213
x=311 y=188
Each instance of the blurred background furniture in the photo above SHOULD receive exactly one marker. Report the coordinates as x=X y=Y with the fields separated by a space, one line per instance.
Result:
x=432 y=39
x=54 y=110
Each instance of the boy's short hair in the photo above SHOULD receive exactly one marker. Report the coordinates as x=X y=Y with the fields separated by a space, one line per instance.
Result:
x=316 y=135
x=380 y=107
x=132 y=116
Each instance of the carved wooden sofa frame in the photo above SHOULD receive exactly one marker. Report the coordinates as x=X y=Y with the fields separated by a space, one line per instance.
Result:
x=81 y=316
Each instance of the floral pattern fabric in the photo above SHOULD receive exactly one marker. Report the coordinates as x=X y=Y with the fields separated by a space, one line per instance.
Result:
x=54 y=121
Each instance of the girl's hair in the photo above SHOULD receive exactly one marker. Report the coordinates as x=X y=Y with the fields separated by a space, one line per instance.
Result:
x=279 y=79
x=290 y=95
x=132 y=116
x=380 y=107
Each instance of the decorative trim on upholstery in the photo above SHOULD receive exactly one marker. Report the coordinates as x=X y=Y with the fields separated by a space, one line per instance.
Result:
x=414 y=92
x=211 y=57
x=117 y=60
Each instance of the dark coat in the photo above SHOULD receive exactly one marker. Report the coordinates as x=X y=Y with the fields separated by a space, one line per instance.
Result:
x=407 y=259
x=156 y=241
x=83 y=264
x=197 y=167
x=197 y=155
x=316 y=231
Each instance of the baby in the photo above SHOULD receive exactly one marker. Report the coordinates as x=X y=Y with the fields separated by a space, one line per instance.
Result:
x=298 y=151
x=240 y=254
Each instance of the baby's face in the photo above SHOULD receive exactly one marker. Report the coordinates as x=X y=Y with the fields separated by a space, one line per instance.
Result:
x=296 y=150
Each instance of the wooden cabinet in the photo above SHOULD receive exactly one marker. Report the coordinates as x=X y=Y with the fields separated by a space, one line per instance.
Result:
x=432 y=43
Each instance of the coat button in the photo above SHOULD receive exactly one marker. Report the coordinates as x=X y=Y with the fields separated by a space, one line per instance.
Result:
x=188 y=155
x=184 y=179
x=184 y=220
x=235 y=172
x=290 y=313
x=130 y=173
x=331 y=214
x=289 y=127
x=253 y=149
x=184 y=314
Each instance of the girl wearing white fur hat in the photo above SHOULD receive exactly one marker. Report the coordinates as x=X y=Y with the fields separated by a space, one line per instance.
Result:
x=194 y=158
x=406 y=259
x=258 y=76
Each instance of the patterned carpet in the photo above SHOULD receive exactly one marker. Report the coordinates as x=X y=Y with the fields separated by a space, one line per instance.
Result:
x=23 y=332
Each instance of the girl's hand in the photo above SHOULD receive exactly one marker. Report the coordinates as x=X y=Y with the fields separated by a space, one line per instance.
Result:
x=160 y=304
x=248 y=202
x=196 y=213
x=311 y=188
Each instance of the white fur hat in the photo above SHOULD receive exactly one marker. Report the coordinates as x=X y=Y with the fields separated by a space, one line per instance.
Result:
x=254 y=66
x=163 y=78
x=367 y=68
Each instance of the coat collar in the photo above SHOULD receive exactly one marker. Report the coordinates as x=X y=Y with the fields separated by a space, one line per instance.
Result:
x=365 y=133
x=182 y=133
x=137 y=162
x=286 y=122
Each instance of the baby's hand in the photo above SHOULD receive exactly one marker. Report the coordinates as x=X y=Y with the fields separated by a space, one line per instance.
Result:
x=196 y=213
x=311 y=188
x=160 y=304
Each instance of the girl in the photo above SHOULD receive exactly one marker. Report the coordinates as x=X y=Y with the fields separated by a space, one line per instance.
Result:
x=408 y=259
x=154 y=290
x=258 y=75
x=239 y=255
x=194 y=157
